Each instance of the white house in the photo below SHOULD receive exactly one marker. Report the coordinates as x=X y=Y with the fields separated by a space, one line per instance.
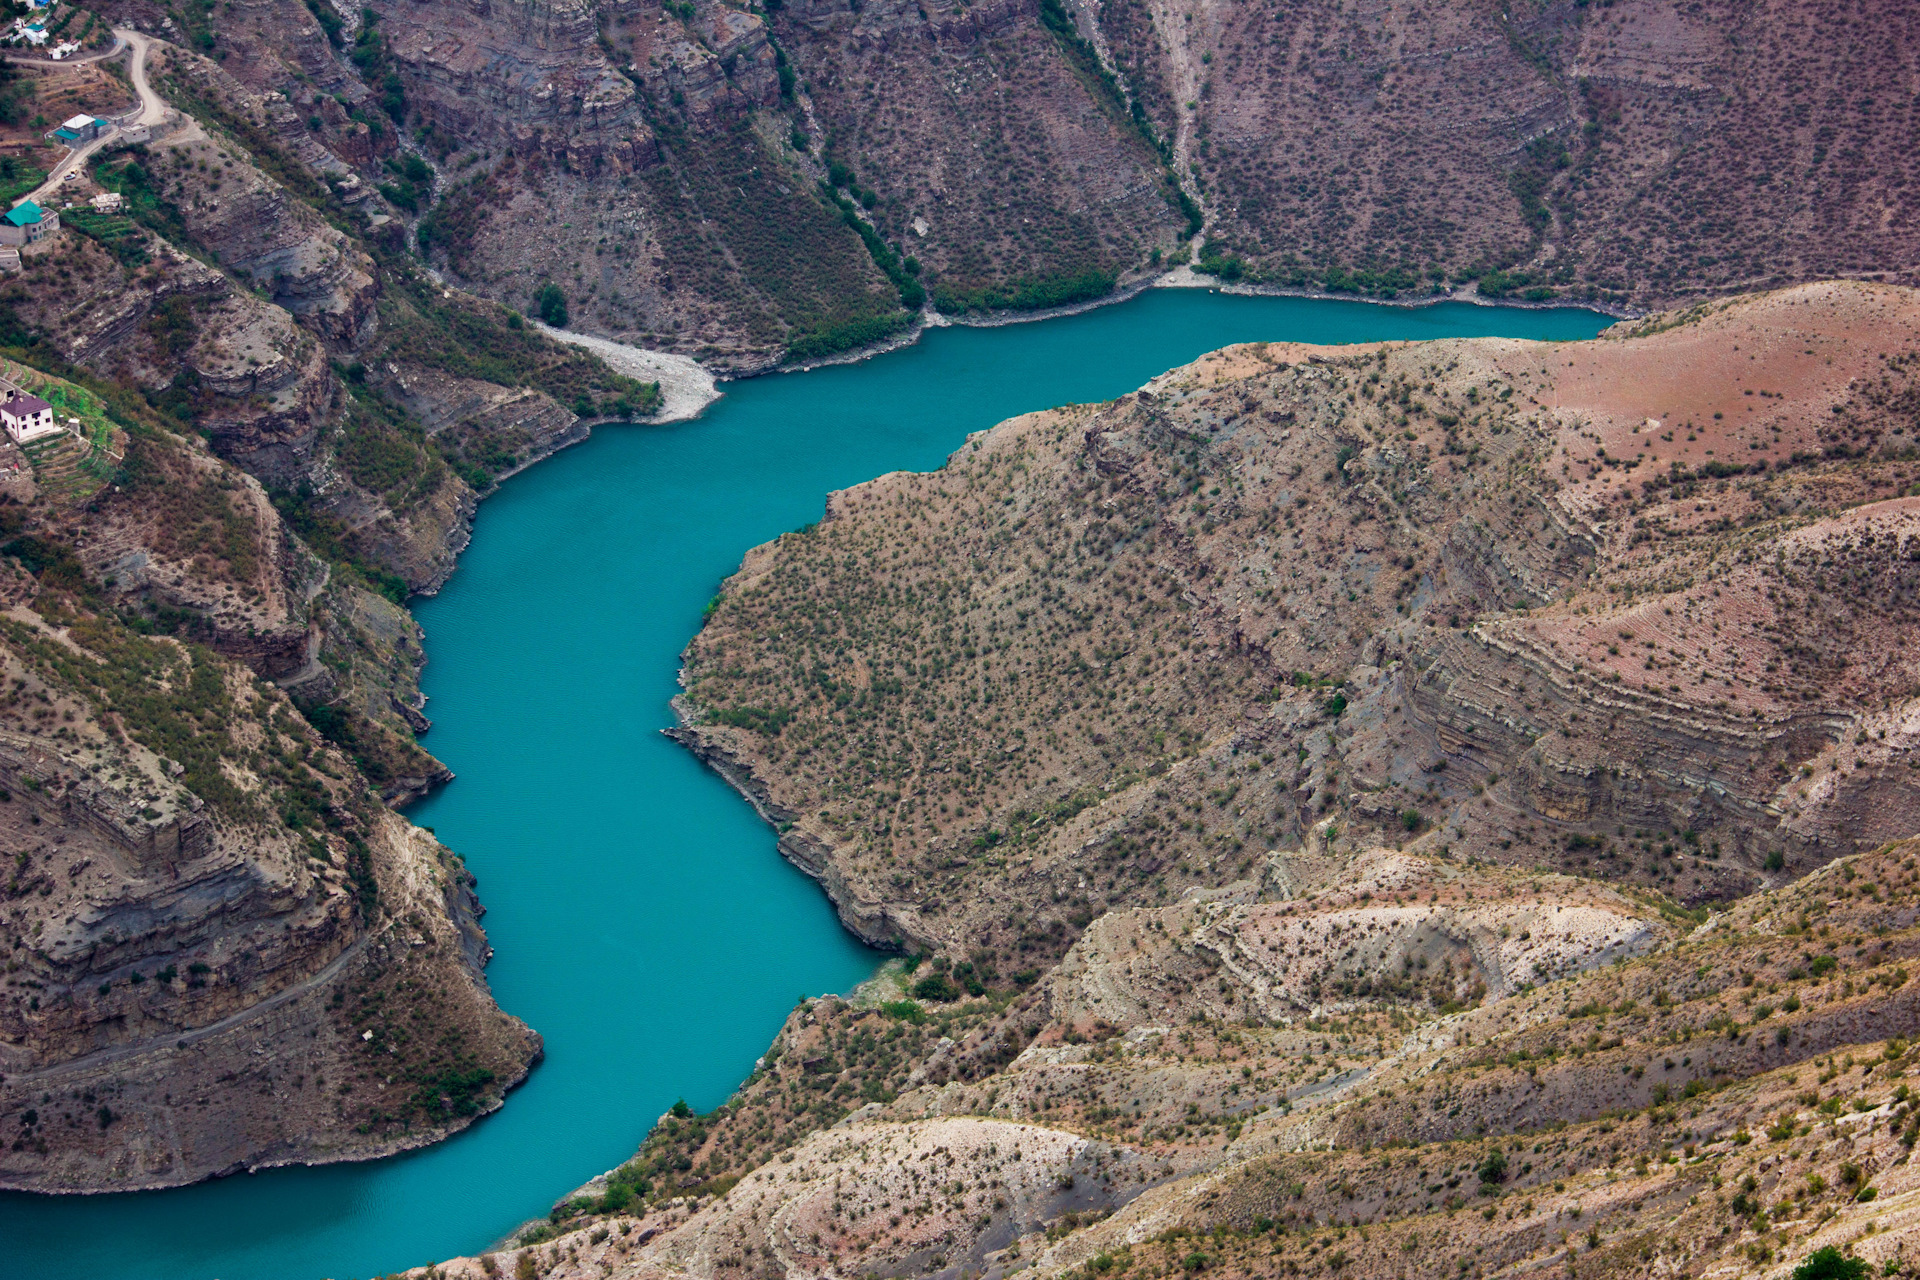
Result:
x=27 y=417
x=108 y=202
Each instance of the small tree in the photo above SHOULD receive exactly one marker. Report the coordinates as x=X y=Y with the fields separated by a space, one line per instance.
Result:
x=550 y=304
x=1493 y=1169
x=1830 y=1264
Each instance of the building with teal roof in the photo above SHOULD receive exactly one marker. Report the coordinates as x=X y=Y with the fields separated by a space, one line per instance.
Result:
x=27 y=222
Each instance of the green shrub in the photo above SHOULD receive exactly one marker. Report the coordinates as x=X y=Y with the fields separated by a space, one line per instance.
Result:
x=905 y=1011
x=937 y=988
x=550 y=304
x=1493 y=1170
x=1830 y=1264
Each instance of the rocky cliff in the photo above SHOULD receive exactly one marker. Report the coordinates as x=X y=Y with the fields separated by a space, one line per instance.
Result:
x=206 y=907
x=222 y=949
x=746 y=183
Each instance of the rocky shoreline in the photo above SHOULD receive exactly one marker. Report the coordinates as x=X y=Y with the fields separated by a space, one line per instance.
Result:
x=871 y=922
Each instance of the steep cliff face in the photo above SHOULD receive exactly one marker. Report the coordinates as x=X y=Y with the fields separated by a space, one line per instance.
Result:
x=1030 y=154
x=204 y=913
x=1000 y=159
x=518 y=73
x=662 y=195
x=215 y=936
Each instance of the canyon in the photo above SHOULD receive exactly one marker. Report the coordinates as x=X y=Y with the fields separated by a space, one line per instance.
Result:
x=1300 y=849
x=1329 y=804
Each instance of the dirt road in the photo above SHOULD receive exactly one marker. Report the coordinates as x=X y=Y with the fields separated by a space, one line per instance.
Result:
x=151 y=111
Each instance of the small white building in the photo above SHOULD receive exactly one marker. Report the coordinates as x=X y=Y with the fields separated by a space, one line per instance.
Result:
x=27 y=417
x=108 y=202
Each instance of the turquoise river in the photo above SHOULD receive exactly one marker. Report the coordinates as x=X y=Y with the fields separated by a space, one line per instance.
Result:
x=642 y=920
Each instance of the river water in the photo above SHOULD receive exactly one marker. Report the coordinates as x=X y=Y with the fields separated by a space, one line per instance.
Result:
x=642 y=919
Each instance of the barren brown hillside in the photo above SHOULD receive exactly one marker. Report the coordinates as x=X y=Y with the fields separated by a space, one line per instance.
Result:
x=1543 y=603
x=748 y=184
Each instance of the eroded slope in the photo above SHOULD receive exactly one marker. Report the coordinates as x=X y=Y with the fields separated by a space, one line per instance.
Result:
x=1530 y=602
x=221 y=949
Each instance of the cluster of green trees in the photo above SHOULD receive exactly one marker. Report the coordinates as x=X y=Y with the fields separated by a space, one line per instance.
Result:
x=1027 y=293
x=330 y=22
x=412 y=183
x=1216 y=260
x=1529 y=285
x=902 y=272
x=550 y=304
x=836 y=336
x=376 y=66
x=385 y=449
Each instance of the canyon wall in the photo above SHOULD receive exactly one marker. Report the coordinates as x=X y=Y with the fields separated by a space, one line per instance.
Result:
x=746 y=184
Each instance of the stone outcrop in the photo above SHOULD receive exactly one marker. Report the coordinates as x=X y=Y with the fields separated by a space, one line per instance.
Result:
x=528 y=73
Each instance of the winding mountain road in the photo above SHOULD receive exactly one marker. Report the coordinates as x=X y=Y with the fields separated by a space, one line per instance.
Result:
x=151 y=111
x=118 y=45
